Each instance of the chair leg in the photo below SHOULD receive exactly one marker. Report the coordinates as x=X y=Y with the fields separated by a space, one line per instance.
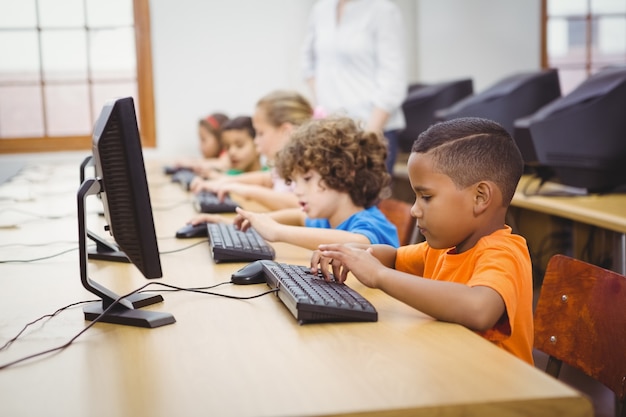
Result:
x=553 y=367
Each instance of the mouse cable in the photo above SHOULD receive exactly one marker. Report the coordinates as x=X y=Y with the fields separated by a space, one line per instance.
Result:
x=112 y=305
x=171 y=206
x=48 y=316
x=42 y=216
x=6 y=261
x=204 y=241
x=56 y=242
x=12 y=261
x=60 y=310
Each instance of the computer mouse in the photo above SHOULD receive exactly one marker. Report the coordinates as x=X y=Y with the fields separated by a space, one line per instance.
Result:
x=249 y=274
x=169 y=170
x=192 y=230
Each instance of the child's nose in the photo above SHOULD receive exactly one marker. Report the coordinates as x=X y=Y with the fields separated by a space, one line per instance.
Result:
x=416 y=211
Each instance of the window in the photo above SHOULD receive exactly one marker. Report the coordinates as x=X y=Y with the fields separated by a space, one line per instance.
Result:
x=62 y=59
x=582 y=36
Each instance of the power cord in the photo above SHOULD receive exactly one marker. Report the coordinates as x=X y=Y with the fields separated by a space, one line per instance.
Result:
x=201 y=290
x=7 y=261
x=202 y=242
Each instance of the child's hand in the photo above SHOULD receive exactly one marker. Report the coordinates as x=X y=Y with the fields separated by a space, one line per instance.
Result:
x=261 y=222
x=346 y=258
x=320 y=263
x=198 y=184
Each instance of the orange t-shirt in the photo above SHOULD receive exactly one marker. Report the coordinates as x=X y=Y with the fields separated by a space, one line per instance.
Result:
x=499 y=261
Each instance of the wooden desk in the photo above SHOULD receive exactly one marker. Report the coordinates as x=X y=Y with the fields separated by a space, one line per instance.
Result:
x=604 y=211
x=228 y=357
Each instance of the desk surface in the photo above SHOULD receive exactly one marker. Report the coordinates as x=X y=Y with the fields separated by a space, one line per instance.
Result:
x=607 y=211
x=231 y=357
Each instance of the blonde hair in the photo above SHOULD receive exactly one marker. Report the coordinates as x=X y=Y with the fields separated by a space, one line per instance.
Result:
x=284 y=106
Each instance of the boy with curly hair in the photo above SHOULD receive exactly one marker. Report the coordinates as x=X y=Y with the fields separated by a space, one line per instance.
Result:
x=338 y=172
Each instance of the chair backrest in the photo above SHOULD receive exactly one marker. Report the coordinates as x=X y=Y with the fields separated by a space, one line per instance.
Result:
x=398 y=212
x=580 y=319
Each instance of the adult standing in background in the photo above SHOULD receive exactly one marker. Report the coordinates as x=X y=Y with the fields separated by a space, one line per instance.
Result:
x=353 y=61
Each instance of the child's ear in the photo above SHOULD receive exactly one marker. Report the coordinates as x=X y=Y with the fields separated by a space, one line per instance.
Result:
x=484 y=194
x=286 y=128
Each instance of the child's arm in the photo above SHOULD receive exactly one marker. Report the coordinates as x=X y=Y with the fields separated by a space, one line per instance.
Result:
x=268 y=197
x=306 y=237
x=209 y=218
x=262 y=178
x=478 y=308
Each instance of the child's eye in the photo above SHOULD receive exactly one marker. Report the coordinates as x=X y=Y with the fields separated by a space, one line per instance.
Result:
x=425 y=197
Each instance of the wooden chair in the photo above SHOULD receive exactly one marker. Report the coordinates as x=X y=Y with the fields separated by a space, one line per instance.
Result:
x=398 y=212
x=580 y=319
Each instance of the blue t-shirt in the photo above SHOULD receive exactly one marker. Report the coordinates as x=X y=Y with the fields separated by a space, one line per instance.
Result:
x=370 y=223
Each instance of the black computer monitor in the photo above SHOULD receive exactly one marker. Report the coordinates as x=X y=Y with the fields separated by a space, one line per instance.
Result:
x=579 y=140
x=421 y=103
x=120 y=181
x=104 y=250
x=513 y=97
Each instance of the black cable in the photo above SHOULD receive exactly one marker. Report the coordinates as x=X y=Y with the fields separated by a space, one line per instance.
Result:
x=113 y=304
x=57 y=242
x=7 y=261
x=26 y=326
x=171 y=206
x=40 y=216
x=185 y=248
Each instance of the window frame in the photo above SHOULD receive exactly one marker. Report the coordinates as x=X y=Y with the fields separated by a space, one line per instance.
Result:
x=588 y=64
x=145 y=99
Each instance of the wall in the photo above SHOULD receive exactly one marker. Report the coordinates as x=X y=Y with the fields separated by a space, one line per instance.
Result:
x=485 y=40
x=213 y=55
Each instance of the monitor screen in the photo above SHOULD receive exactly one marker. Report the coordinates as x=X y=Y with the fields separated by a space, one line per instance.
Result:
x=423 y=101
x=513 y=97
x=120 y=181
x=580 y=139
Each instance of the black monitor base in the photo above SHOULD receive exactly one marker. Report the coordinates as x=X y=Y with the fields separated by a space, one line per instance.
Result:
x=105 y=251
x=121 y=314
x=129 y=317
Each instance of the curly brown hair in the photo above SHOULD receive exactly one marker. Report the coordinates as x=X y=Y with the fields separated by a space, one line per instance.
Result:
x=347 y=158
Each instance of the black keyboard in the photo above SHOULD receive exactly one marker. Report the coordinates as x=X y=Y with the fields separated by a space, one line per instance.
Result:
x=208 y=202
x=184 y=177
x=231 y=245
x=312 y=299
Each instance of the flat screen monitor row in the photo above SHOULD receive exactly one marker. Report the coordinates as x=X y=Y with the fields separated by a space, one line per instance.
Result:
x=578 y=139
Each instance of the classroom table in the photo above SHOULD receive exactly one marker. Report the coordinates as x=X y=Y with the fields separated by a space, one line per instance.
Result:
x=605 y=211
x=227 y=357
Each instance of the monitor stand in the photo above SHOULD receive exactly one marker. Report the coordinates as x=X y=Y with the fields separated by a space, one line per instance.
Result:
x=105 y=251
x=127 y=310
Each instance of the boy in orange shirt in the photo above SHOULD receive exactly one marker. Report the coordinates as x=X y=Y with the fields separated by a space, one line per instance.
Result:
x=471 y=269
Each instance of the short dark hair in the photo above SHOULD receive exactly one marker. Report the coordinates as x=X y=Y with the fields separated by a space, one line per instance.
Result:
x=240 y=123
x=348 y=158
x=472 y=149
